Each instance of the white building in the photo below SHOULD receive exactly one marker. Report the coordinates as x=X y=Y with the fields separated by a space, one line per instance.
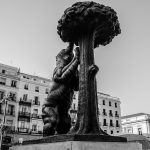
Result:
x=26 y=95
x=32 y=92
x=9 y=85
x=136 y=124
x=109 y=112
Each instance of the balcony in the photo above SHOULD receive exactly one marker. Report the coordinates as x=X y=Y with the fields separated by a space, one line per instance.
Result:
x=24 y=114
x=117 y=125
x=25 y=101
x=36 y=103
x=12 y=98
x=73 y=111
x=11 y=113
x=1 y=112
x=23 y=130
x=116 y=115
x=36 y=132
x=105 y=124
x=36 y=116
x=2 y=83
x=110 y=114
x=9 y=129
x=111 y=125
x=104 y=113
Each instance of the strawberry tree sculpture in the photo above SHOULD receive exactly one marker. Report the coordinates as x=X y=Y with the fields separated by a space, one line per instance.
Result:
x=88 y=25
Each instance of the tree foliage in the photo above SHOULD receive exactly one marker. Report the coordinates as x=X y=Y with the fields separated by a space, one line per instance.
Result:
x=83 y=17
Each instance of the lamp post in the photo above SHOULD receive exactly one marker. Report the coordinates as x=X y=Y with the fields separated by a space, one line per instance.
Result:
x=4 y=100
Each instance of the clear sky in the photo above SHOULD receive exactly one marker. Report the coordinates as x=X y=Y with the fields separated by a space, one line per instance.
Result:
x=29 y=40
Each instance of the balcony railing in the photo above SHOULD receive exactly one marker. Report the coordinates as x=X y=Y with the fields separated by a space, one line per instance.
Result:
x=73 y=111
x=12 y=98
x=105 y=124
x=111 y=125
x=2 y=83
x=25 y=101
x=1 y=112
x=11 y=113
x=104 y=113
x=24 y=114
x=35 y=116
x=36 y=132
x=118 y=125
x=116 y=115
x=36 y=103
x=23 y=130
x=110 y=114
x=9 y=129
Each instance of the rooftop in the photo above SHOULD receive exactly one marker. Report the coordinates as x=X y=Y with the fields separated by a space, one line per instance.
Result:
x=133 y=115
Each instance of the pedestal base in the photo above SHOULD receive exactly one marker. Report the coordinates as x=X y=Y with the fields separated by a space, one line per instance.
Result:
x=78 y=142
x=76 y=145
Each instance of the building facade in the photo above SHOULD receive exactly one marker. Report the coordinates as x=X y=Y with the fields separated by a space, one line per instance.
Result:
x=26 y=94
x=136 y=124
x=109 y=113
x=9 y=86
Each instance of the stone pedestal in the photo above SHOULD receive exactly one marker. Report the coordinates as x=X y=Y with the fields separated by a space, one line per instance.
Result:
x=78 y=142
x=76 y=145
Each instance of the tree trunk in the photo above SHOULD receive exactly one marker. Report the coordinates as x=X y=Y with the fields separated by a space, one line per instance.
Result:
x=87 y=116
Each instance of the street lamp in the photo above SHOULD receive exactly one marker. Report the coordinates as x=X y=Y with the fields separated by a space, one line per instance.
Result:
x=4 y=100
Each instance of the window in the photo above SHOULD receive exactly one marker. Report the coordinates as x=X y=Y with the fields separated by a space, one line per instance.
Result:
x=3 y=71
x=116 y=105
x=24 y=109
x=129 y=129
x=2 y=81
x=104 y=112
x=12 y=96
x=36 y=100
x=105 y=131
x=36 y=89
x=46 y=91
x=140 y=131
x=2 y=94
x=74 y=106
x=11 y=110
x=25 y=96
x=116 y=114
x=111 y=131
x=111 y=123
x=35 y=111
x=104 y=122
x=117 y=123
x=110 y=113
x=22 y=124
x=34 y=127
x=13 y=83
x=1 y=111
x=26 y=86
x=9 y=122
x=103 y=102
x=74 y=96
x=109 y=103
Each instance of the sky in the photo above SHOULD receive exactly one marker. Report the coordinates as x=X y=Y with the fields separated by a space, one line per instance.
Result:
x=29 y=41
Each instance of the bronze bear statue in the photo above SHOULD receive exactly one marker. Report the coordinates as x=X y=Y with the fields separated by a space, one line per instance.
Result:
x=65 y=81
